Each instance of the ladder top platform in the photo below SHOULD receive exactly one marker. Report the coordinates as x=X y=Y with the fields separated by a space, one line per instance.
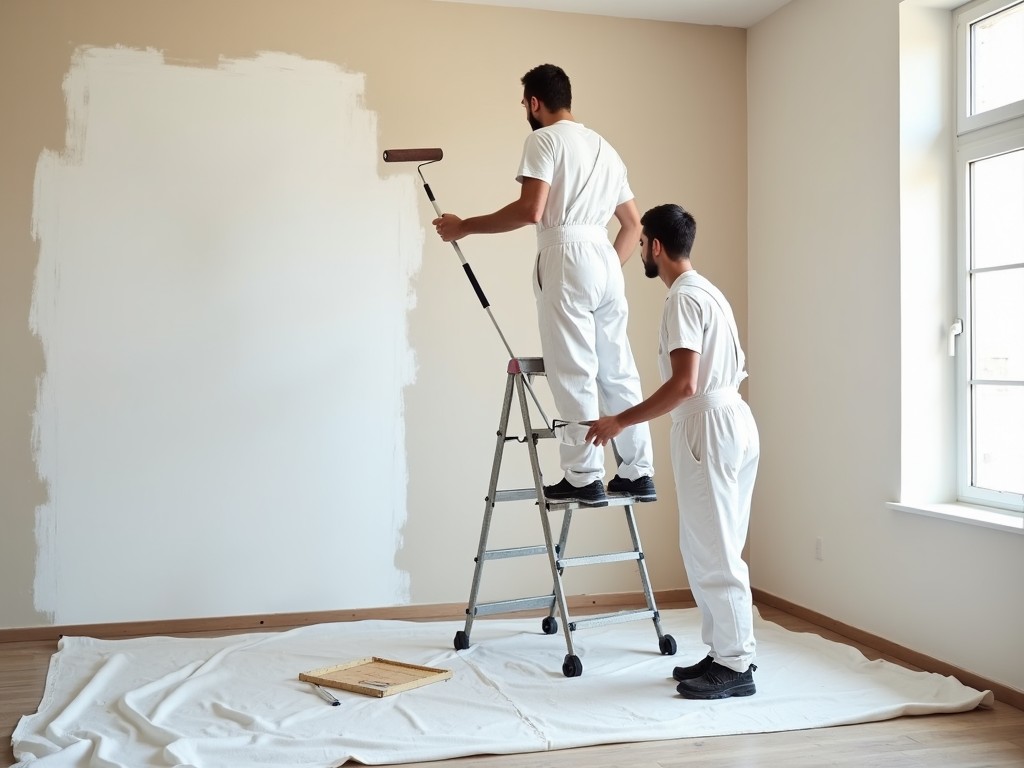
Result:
x=526 y=365
x=613 y=501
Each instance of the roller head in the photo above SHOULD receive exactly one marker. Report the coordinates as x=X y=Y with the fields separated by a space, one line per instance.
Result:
x=412 y=155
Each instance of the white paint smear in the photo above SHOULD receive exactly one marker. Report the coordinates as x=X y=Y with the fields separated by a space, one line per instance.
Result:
x=221 y=295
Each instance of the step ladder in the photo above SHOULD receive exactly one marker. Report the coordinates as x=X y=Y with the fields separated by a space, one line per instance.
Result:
x=520 y=371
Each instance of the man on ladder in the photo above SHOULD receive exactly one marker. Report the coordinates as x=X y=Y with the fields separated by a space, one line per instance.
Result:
x=572 y=183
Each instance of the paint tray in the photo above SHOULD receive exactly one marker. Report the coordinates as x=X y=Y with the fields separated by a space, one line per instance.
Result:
x=375 y=676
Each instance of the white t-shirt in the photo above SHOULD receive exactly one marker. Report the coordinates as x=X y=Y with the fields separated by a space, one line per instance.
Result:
x=587 y=176
x=697 y=316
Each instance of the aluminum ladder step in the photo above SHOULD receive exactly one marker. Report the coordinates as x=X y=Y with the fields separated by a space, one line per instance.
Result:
x=530 y=494
x=503 y=554
x=611 y=618
x=611 y=557
x=517 y=604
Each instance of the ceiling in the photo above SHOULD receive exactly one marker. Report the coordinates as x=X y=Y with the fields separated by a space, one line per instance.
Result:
x=726 y=13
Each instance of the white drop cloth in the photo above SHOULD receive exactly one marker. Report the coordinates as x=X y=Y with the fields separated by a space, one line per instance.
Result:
x=237 y=701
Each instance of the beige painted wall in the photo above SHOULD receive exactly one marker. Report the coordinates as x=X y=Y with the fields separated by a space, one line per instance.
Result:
x=670 y=97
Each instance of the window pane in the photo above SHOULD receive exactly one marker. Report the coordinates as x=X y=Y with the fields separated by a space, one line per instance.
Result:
x=997 y=44
x=997 y=210
x=999 y=326
x=998 y=447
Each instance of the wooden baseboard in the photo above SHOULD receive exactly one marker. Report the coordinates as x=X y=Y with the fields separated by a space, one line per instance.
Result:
x=1004 y=693
x=435 y=612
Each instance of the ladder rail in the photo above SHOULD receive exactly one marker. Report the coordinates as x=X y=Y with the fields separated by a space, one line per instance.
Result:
x=538 y=481
x=645 y=579
x=485 y=527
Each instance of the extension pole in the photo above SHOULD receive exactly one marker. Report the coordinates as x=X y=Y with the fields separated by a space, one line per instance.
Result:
x=426 y=157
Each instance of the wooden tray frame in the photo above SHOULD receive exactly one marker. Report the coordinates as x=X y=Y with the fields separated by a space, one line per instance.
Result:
x=375 y=676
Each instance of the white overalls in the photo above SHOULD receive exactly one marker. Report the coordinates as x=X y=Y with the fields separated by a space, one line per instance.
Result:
x=715 y=450
x=580 y=292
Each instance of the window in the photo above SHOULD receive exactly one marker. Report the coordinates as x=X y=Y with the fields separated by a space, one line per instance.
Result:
x=988 y=337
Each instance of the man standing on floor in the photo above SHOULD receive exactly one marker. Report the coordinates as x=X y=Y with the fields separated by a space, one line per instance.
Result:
x=572 y=183
x=715 y=450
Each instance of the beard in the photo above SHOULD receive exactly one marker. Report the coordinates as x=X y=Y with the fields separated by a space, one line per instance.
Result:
x=535 y=124
x=650 y=268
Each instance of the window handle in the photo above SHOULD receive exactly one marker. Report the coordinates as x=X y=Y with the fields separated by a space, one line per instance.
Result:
x=955 y=330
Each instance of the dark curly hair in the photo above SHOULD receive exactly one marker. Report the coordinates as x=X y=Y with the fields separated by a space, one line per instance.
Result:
x=550 y=85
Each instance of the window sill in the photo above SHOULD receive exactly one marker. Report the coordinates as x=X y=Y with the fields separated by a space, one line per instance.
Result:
x=986 y=517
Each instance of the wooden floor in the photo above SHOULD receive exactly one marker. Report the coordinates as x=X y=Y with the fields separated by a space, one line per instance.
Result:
x=992 y=737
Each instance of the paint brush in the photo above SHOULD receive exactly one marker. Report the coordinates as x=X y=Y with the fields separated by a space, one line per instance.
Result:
x=327 y=695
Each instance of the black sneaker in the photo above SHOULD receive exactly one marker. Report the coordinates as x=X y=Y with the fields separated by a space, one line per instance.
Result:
x=719 y=683
x=641 y=489
x=591 y=495
x=696 y=670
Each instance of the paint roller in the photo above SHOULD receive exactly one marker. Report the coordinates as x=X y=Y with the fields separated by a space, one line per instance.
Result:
x=413 y=155
x=426 y=156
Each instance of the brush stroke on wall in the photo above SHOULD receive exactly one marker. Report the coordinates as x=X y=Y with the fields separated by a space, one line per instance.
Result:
x=221 y=295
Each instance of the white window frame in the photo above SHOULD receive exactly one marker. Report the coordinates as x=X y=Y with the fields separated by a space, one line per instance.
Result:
x=963 y=18
x=978 y=136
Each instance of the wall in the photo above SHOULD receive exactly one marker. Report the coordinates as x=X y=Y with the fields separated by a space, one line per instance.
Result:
x=239 y=380
x=825 y=317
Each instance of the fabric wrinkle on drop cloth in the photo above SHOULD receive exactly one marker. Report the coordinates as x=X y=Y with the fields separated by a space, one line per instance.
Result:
x=237 y=700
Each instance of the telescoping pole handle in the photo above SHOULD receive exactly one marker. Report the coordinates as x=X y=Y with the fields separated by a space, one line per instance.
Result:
x=466 y=267
x=426 y=156
x=465 y=264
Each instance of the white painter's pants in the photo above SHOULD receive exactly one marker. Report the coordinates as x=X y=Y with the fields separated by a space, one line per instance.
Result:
x=714 y=456
x=582 y=314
